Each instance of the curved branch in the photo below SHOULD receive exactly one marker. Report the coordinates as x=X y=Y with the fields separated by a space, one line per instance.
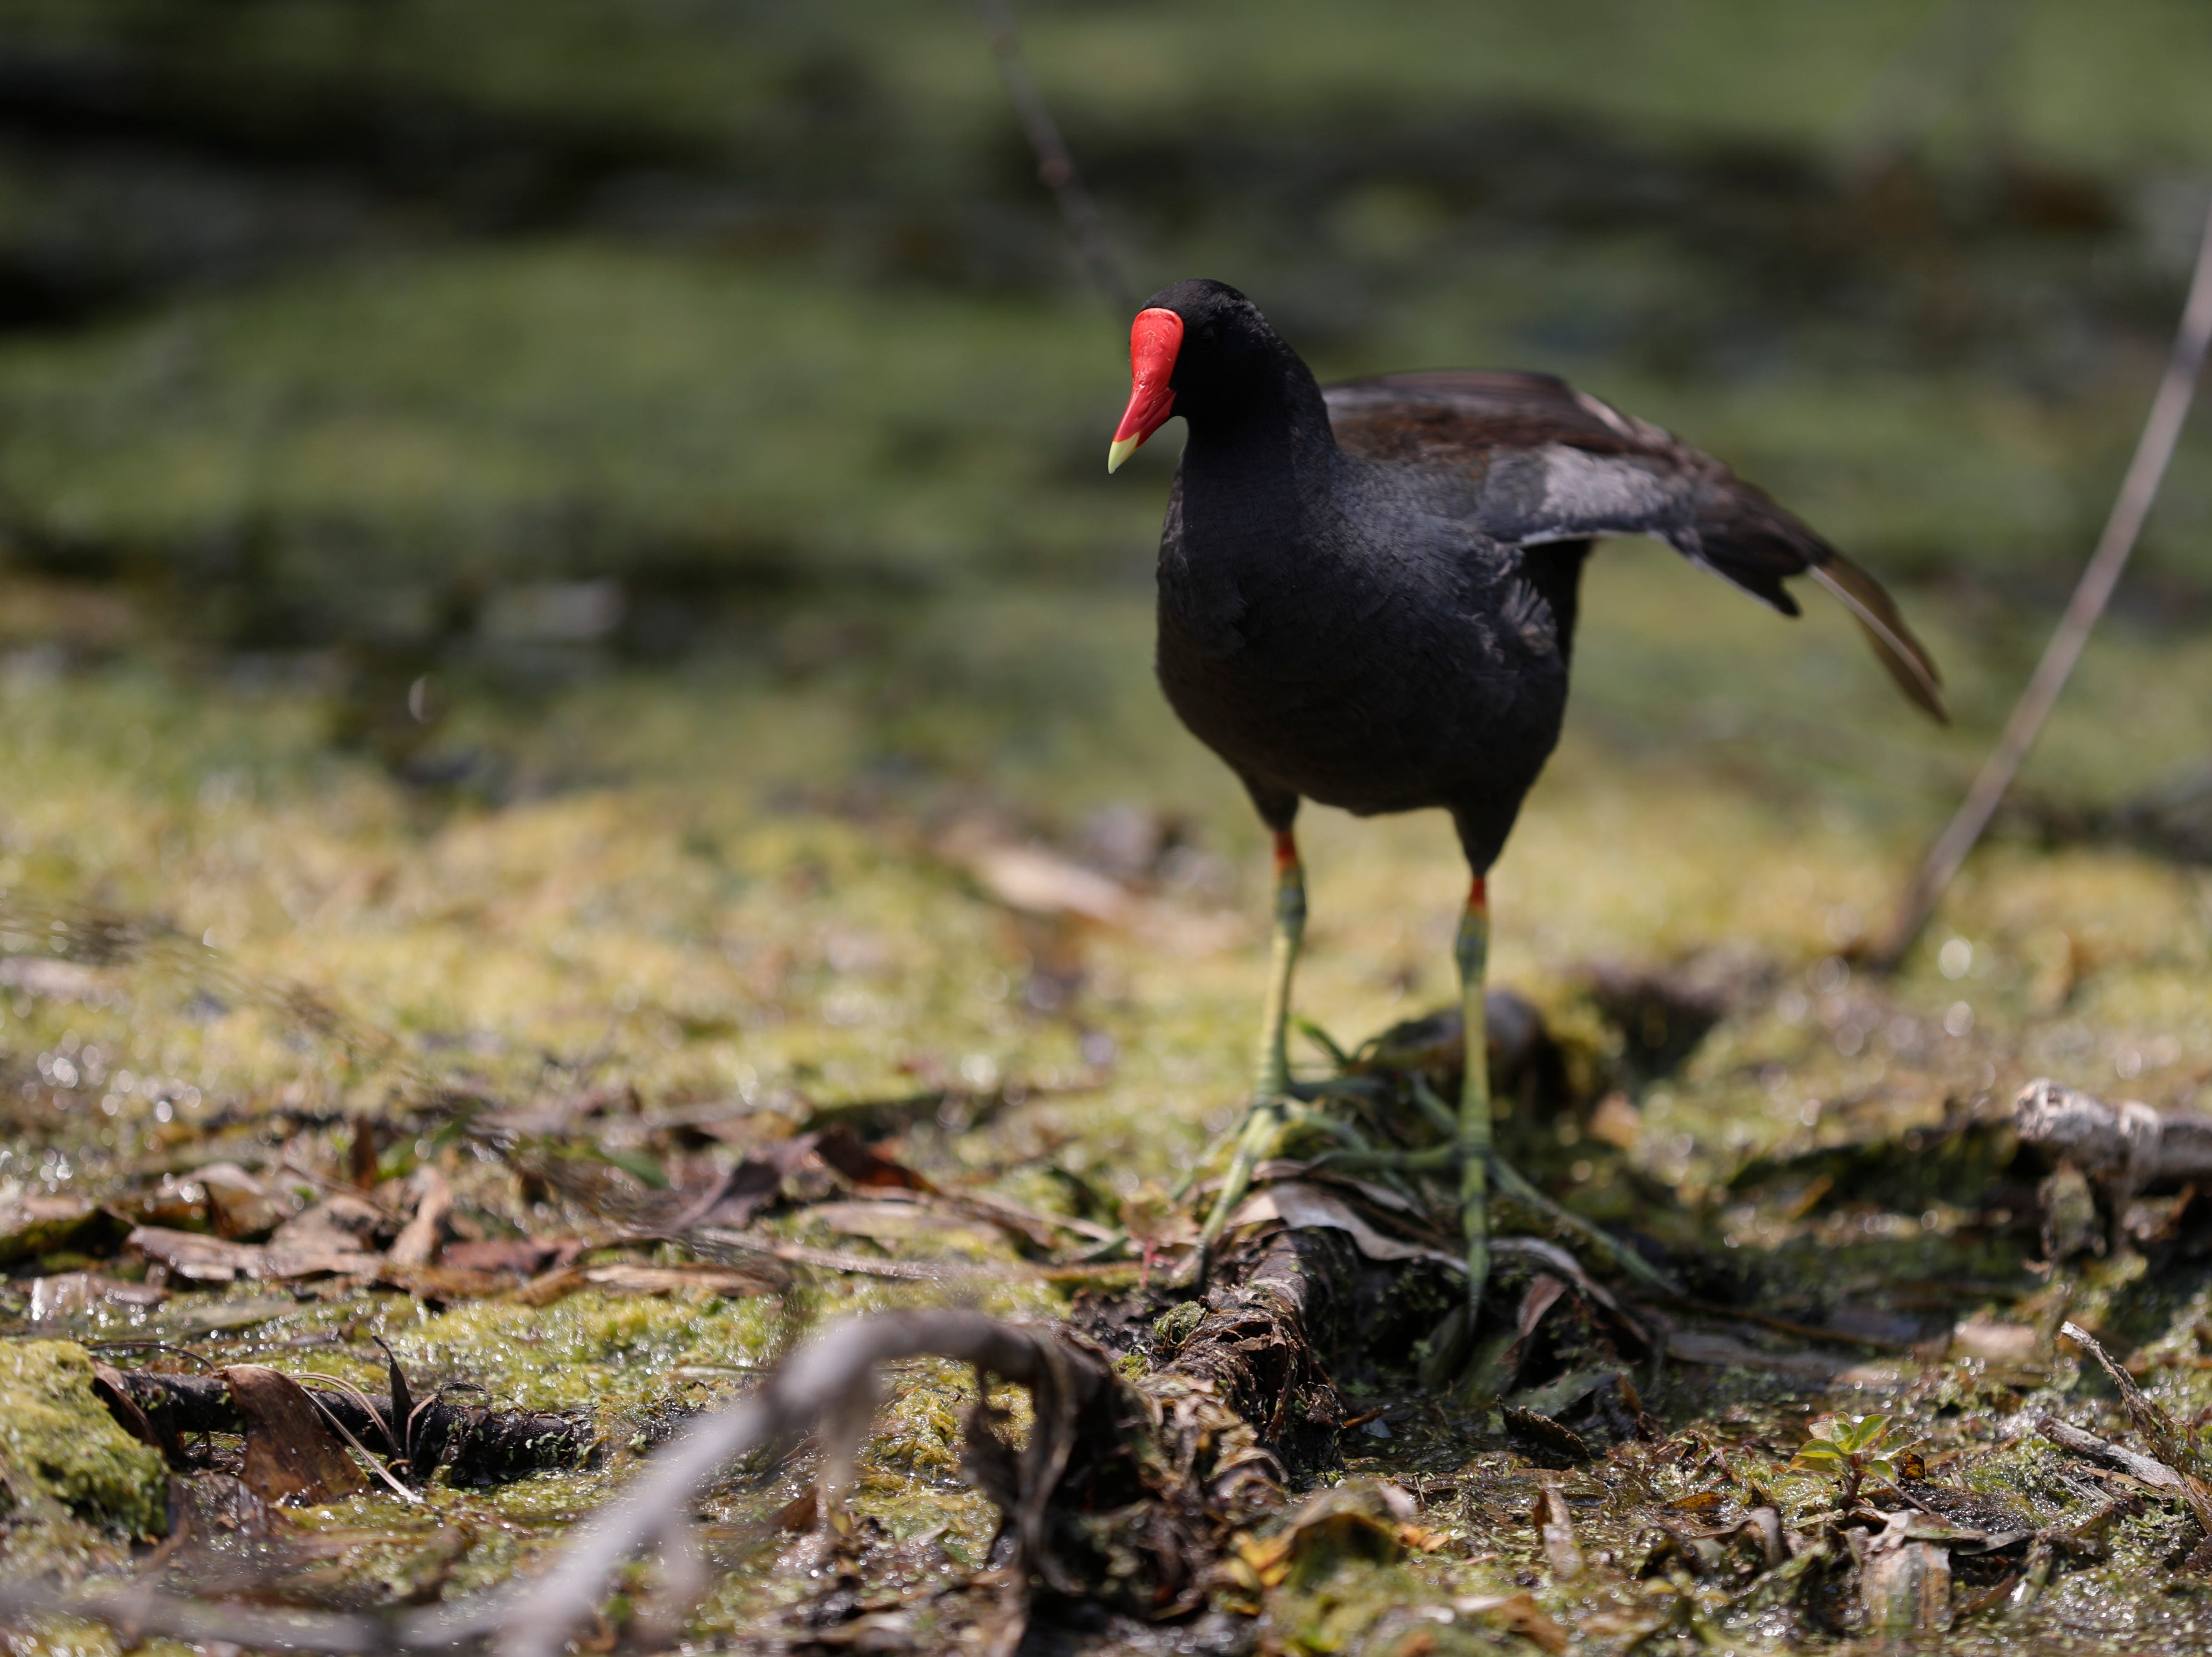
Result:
x=829 y=1383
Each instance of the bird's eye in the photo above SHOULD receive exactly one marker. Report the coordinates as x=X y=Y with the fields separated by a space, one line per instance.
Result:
x=1206 y=332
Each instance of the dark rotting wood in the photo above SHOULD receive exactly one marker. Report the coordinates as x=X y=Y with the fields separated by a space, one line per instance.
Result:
x=477 y=1445
x=1275 y=1312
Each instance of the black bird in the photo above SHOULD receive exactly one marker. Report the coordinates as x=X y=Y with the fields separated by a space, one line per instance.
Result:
x=1367 y=597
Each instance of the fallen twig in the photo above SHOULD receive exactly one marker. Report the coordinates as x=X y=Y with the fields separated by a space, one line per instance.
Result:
x=1124 y=1494
x=2120 y=1149
x=2167 y=1439
x=1056 y=166
x=830 y=1381
x=2090 y=1447
x=827 y=1386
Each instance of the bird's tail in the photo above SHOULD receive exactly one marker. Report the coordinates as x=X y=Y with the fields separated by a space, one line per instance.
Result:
x=1906 y=658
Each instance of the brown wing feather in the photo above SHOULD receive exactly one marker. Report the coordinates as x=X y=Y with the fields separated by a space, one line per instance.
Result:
x=1471 y=410
x=1467 y=418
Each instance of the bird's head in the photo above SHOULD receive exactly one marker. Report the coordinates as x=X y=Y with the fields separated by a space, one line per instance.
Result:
x=1190 y=343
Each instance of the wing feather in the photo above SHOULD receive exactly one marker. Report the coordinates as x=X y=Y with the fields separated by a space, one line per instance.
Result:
x=1549 y=463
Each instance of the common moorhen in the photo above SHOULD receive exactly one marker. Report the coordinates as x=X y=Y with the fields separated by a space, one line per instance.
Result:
x=1367 y=597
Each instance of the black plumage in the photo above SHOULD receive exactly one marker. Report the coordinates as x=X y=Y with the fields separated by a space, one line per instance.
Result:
x=1367 y=593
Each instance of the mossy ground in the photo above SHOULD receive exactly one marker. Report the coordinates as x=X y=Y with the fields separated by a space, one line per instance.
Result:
x=64 y=1459
x=735 y=891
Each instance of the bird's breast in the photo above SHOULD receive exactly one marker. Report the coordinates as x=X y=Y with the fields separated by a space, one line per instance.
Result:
x=1377 y=696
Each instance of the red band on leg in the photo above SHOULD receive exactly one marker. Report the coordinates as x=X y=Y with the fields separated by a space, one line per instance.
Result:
x=1286 y=851
x=1477 y=896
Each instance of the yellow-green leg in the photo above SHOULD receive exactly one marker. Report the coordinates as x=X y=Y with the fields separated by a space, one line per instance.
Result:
x=1271 y=1084
x=1472 y=952
x=1470 y=1149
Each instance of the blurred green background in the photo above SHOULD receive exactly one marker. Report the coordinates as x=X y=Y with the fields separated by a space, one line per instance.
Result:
x=521 y=338
x=414 y=415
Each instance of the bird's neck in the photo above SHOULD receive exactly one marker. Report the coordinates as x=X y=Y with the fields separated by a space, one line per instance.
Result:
x=1253 y=463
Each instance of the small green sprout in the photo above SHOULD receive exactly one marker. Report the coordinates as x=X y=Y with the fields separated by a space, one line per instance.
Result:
x=1849 y=1449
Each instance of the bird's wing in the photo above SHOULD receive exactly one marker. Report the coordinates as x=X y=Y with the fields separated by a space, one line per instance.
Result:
x=1548 y=463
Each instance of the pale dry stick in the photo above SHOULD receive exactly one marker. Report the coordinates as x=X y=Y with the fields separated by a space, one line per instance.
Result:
x=2138 y=490
x=143 y=1611
x=828 y=1378
x=2168 y=1440
x=2121 y=1150
x=1056 y=166
x=2150 y=1469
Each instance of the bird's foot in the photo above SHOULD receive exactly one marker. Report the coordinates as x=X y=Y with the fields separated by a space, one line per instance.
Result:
x=1606 y=1251
x=1259 y=1139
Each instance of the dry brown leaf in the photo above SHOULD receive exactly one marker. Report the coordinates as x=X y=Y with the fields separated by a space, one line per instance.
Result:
x=1302 y=1206
x=32 y=1226
x=1519 y=1611
x=799 y=1513
x=292 y=1455
x=1556 y=1525
x=861 y=1163
x=1993 y=1341
x=204 y=1259
x=1037 y=882
x=68 y=1293
x=557 y=1284
x=341 y=1223
x=418 y=1240
x=527 y=1255
x=899 y=1222
x=335 y=1237
x=1905 y=1583
x=445 y=1283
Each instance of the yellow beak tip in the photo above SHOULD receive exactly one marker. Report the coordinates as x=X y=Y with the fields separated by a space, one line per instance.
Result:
x=1119 y=450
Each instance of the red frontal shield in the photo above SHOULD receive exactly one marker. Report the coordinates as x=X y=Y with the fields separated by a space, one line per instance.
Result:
x=1154 y=338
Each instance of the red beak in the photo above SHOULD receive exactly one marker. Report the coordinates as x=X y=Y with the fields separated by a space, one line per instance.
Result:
x=1154 y=338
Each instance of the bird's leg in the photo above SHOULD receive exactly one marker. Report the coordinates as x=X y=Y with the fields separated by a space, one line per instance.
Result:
x=1263 y=1121
x=1272 y=1081
x=1473 y=951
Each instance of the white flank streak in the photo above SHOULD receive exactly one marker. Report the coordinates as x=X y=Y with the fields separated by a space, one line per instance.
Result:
x=1593 y=494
